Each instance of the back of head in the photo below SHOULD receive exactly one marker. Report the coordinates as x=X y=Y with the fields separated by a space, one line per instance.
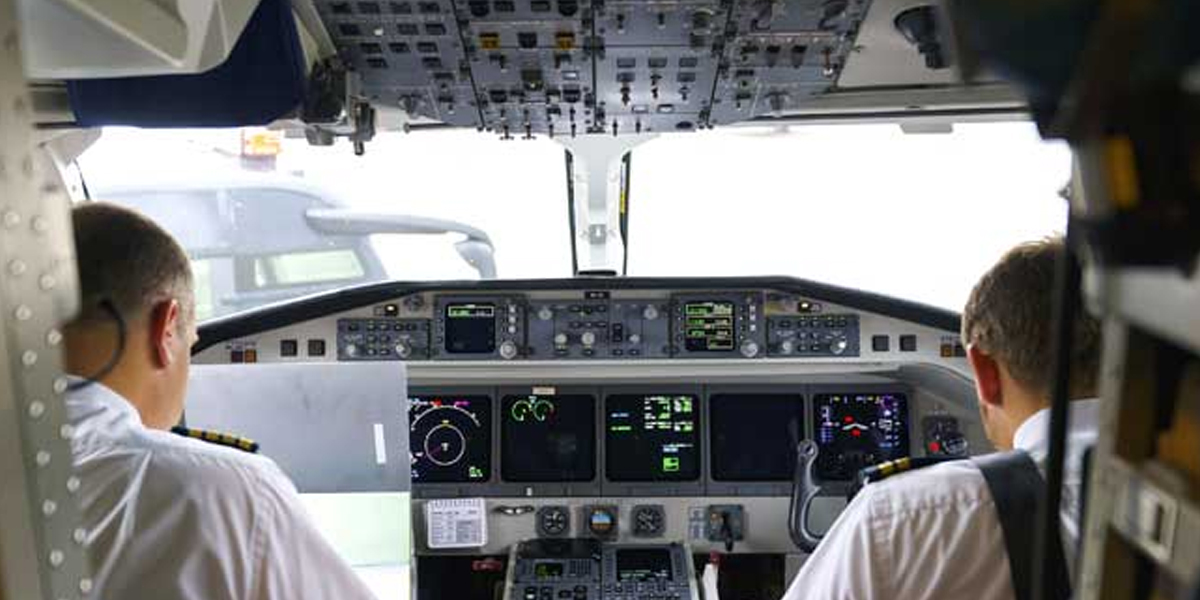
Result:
x=127 y=261
x=1009 y=315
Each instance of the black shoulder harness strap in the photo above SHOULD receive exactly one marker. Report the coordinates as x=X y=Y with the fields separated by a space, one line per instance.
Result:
x=1017 y=488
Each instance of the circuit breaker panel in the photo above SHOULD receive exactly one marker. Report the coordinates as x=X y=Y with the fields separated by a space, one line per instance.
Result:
x=569 y=67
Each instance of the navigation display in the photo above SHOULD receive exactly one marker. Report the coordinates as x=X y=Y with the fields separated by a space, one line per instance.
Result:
x=450 y=438
x=548 y=438
x=643 y=564
x=858 y=430
x=709 y=327
x=652 y=438
x=471 y=328
x=754 y=436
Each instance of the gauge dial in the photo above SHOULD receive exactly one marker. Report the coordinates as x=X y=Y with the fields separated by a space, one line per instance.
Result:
x=601 y=521
x=553 y=521
x=649 y=520
x=450 y=438
x=532 y=408
x=445 y=445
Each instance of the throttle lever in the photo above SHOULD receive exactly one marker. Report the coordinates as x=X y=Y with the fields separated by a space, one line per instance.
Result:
x=727 y=532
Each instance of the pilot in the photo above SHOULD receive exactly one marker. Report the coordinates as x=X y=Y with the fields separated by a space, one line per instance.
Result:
x=168 y=517
x=936 y=533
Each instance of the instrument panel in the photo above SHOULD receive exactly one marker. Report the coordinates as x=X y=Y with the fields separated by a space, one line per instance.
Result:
x=625 y=440
x=636 y=409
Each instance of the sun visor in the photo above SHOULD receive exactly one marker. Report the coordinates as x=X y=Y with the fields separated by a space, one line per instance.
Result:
x=262 y=80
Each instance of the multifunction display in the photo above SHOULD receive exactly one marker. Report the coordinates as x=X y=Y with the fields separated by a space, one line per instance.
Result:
x=709 y=326
x=858 y=430
x=450 y=438
x=649 y=564
x=652 y=437
x=470 y=328
x=548 y=438
x=754 y=436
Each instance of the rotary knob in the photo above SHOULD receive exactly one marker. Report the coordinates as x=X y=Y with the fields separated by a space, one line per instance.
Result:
x=351 y=350
x=650 y=313
x=403 y=349
x=786 y=347
x=508 y=350
x=749 y=348
x=560 y=339
x=588 y=338
x=635 y=338
x=545 y=313
x=838 y=345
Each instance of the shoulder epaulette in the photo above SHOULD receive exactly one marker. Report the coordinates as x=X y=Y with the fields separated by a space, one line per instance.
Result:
x=887 y=469
x=215 y=437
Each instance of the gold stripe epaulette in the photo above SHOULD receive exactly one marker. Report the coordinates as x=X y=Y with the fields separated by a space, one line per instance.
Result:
x=216 y=437
x=887 y=469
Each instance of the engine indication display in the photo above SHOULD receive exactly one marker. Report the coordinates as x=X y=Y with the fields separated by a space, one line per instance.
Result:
x=471 y=328
x=450 y=438
x=548 y=438
x=858 y=430
x=709 y=326
x=652 y=438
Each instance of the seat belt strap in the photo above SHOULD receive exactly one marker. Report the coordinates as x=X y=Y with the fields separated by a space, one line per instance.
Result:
x=1017 y=489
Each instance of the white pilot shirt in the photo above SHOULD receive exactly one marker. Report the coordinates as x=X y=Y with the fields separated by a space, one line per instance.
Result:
x=172 y=518
x=934 y=533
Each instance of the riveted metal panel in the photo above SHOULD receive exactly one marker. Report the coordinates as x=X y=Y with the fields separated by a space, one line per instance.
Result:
x=42 y=551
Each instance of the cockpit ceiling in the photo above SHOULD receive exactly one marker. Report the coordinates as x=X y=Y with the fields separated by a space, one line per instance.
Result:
x=570 y=67
x=883 y=58
x=573 y=67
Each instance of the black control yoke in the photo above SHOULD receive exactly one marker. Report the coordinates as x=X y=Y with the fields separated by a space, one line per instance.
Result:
x=804 y=488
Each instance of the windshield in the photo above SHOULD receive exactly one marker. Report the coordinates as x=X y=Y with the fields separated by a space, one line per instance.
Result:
x=864 y=206
x=916 y=216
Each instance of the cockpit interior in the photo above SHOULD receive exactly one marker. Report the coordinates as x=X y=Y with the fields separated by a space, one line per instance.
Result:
x=562 y=299
x=660 y=413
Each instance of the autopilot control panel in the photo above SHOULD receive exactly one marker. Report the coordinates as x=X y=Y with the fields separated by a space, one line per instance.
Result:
x=600 y=325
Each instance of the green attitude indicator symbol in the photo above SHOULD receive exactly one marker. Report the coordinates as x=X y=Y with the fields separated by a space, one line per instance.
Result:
x=670 y=464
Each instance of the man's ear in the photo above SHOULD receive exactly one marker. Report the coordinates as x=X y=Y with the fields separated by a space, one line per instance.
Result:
x=987 y=376
x=164 y=332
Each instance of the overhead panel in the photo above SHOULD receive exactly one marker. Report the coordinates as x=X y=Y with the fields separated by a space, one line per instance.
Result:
x=569 y=67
